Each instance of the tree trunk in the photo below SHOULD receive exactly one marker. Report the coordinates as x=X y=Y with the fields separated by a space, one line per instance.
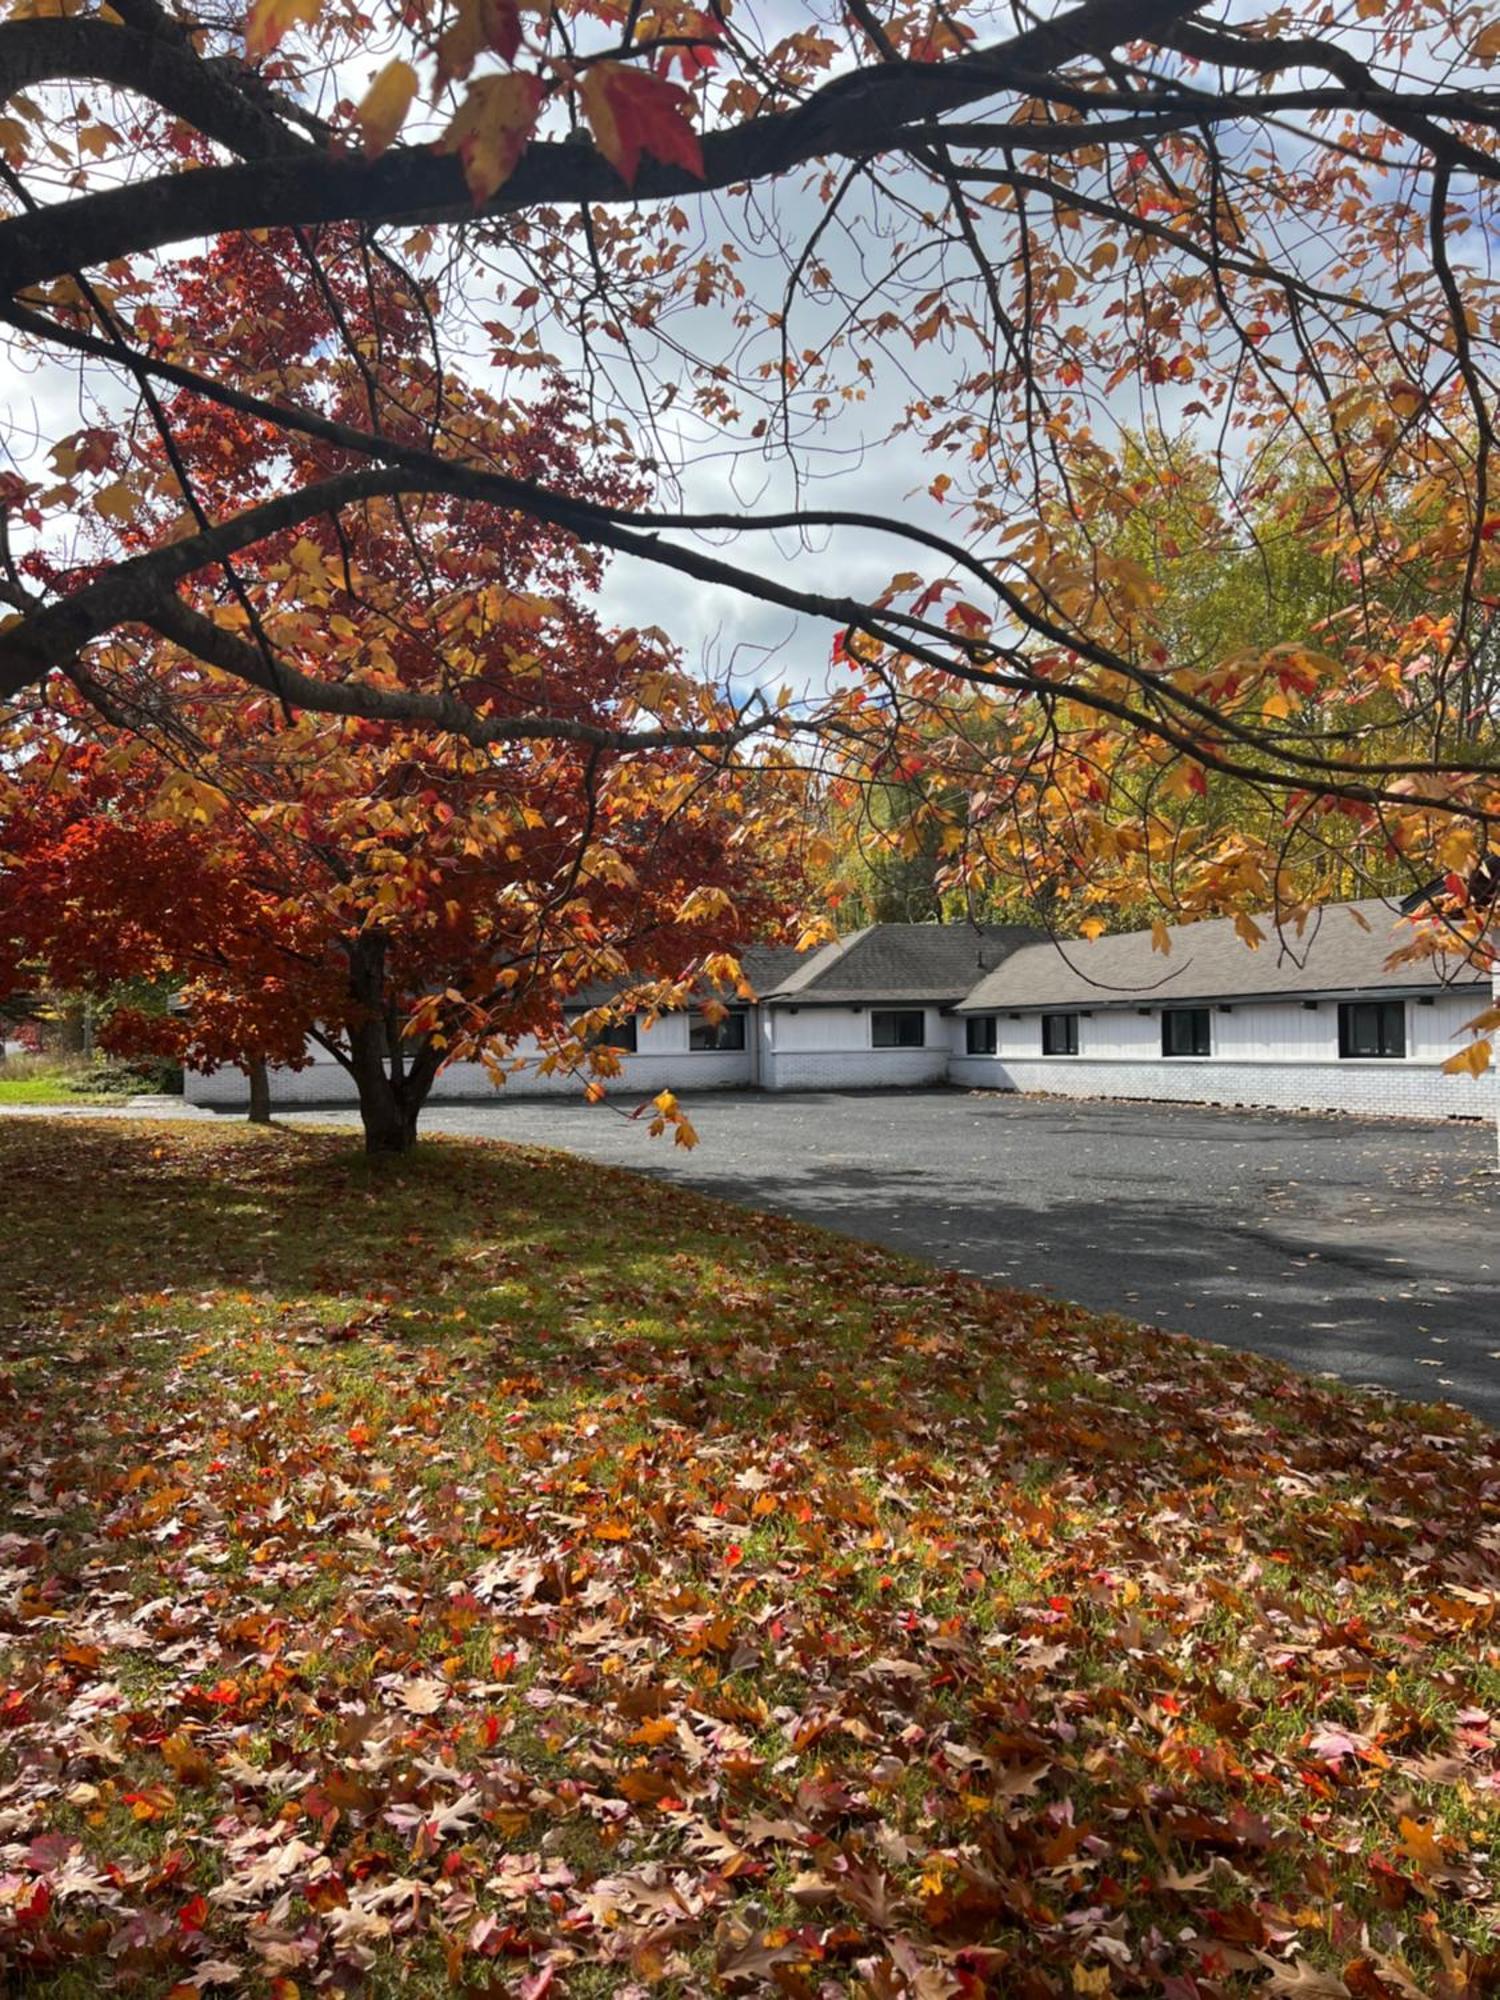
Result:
x=260 y=1092
x=392 y=1090
x=390 y=1125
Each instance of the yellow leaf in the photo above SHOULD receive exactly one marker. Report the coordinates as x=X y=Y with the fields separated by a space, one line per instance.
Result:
x=117 y=501
x=307 y=559
x=1475 y=1059
x=1092 y=927
x=385 y=106
x=1160 y=937
x=269 y=20
x=492 y=128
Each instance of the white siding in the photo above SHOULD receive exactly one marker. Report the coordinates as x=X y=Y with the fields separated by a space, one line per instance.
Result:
x=1436 y=1032
x=663 y=1061
x=829 y=1048
x=1365 y=1089
x=1277 y=1031
x=1278 y=1054
x=803 y=1028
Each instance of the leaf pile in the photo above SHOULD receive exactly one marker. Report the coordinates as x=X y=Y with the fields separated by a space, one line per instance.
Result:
x=498 y=1574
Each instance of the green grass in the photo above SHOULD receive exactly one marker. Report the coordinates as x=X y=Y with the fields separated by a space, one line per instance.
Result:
x=50 y=1090
x=777 y=1613
x=62 y=1080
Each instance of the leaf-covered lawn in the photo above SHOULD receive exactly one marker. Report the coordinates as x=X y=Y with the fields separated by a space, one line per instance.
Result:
x=499 y=1574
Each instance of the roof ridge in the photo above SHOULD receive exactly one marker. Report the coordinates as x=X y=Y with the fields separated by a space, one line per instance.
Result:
x=1211 y=962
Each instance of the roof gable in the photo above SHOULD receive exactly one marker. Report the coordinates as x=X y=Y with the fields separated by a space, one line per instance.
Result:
x=935 y=964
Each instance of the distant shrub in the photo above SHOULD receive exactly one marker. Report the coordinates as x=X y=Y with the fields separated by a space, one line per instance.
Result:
x=119 y=1076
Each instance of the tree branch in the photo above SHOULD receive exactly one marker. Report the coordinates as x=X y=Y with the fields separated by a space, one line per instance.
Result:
x=412 y=185
x=207 y=641
x=166 y=71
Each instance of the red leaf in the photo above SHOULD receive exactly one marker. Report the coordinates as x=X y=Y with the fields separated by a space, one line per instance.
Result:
x=631 y=112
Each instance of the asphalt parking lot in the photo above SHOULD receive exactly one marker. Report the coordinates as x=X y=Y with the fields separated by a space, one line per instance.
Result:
x=1367 y=1249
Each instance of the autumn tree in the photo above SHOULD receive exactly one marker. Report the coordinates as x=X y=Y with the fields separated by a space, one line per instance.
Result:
x=1257 y=580
x=957 y=252
x=395 y=896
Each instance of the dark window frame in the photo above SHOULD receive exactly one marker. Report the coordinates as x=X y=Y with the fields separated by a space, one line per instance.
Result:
x=1372 y=1030
x=717 y=1038
x=899 y=1039
x=1060 y=1034
x=982 y=1029
x=1189 y=1026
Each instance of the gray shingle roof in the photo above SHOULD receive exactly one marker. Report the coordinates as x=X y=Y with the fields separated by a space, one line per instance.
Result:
x=1335 y=953
x=933 y=964
x=766 y=964
x=762 y=965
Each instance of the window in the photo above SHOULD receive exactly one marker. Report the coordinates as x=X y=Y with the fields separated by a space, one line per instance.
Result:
x=620 y=1036
x=903 y=1029
x=1372 y=1028
x=979 y=1034
x=1185 y=1031
x=1059 y=1034
x=714 y=1037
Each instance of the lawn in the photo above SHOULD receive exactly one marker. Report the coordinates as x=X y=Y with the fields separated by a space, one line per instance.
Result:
x=493 y=1573
x=47 y=1090
x=50 y=1080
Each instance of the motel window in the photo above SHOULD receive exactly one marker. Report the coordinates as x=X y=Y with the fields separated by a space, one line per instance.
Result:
x=1059 y=1034
x=717 y=1037
x=898 y=1028
x=619 y=1036
x=1372 y=1028
x=1186 y=1031
x=979 y=1034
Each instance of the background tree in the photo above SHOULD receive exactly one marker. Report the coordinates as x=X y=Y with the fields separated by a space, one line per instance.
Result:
x=1260 y=596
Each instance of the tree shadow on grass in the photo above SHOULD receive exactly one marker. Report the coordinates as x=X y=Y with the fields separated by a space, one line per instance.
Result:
x=401 y=1529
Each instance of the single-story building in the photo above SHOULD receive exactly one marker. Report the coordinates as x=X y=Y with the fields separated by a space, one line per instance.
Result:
x=876 y=1008
x=1315 y=1022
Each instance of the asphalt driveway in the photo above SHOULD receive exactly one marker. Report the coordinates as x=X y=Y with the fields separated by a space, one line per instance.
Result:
x=1366 y=1249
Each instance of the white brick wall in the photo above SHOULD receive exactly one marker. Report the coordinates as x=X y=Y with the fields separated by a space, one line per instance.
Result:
x=1294 y=1068
x=663 y=1062
x=1392 y=1089
x=855 y=1069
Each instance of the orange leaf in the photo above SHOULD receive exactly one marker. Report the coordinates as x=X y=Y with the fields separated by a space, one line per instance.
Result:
x=1422 y=1845
x=268 y=21
x=631 y=112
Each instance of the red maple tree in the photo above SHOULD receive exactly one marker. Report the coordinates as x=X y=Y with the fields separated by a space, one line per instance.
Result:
x=396 y=897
